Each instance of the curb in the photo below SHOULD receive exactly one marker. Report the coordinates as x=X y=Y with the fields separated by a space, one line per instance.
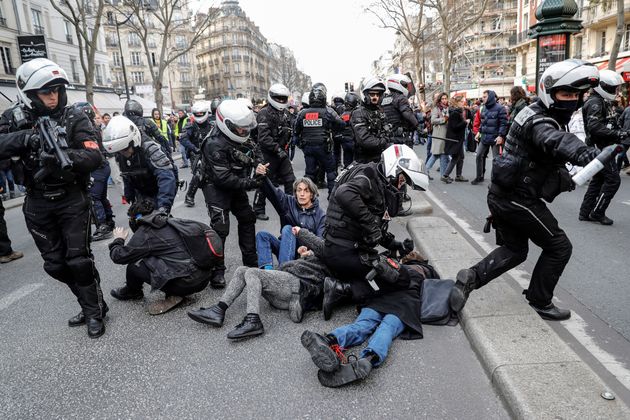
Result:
x=536 y=373
x=419 y=204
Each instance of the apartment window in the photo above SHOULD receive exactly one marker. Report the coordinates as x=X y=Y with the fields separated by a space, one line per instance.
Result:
x=135 y=59
x=525 y=22
x=7 y=64
x=602 y=43
x=237 y=68
x=38 y=23
x=184 y=77
x=151 y=41
x=183 y=60
x=3 y=20
x=116 y=58
x=180 y=41
x=110 y=18
x=226 y=68
x=626 y=37
x=577 y=49
x=67 y=27
x=137 y=77
x=75 y=73
x=99 y=75
x=133 y=39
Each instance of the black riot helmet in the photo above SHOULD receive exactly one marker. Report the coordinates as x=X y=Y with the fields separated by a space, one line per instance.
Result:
x=317 y=97
x=87 y=109
x=351 y=100
x=320 y=86
x=133 y=108
x=214 y=105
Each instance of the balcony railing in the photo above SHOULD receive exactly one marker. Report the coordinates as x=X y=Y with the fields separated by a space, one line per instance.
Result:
x=38 y=30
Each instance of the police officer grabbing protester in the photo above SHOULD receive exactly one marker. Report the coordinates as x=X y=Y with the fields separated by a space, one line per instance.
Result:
x=313 y=127
x=59 y=151
x=530 y=170
x=274 y=134
x=194 y=133
x=365 y=199
x=146 y=170
x=602 y=129
x=369 y=123
x=229 y=158
x=398 y=111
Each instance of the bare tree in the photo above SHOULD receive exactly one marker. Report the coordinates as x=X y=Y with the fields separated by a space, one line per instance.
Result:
x=614 y=51
x=163 y=19
x=405 y=17
x=85 y=17
x=455 y=17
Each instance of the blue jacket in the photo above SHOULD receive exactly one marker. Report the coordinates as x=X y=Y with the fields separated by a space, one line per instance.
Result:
x=494 y=120
x=291 y=213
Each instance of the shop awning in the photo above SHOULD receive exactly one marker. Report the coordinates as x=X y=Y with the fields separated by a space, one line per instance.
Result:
x=618 y=66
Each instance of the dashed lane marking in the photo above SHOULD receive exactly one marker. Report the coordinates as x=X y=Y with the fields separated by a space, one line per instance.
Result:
x=18 y=294
x=576 y=325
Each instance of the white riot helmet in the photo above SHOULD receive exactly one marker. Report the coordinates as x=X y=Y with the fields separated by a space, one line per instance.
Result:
x=120 y=133
x=571 y=75
x=372 y=84
x=40 y=74
x=248 y=103
x=400 y=159
x=609 y=82
x=278 y=96
x=235 y=120
x=305 y=101
x=399 y=83
x=200 y=111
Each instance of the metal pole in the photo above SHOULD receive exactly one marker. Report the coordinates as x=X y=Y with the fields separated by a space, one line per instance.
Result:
x=122 y=58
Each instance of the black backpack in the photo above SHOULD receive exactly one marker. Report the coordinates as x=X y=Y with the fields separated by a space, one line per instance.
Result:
x=201 y=241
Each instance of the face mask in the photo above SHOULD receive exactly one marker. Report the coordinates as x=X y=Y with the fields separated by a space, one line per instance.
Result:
x=563 y=111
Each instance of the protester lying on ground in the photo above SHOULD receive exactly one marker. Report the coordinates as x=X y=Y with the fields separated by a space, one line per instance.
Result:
x=300 y=209
x=296 y=286
x=383 y=317
x=157 y=254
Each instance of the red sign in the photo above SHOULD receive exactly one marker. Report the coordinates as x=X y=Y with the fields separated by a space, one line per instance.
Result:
x=311 y=116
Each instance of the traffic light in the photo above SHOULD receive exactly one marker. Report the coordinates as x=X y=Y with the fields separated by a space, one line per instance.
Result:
x=347 y=86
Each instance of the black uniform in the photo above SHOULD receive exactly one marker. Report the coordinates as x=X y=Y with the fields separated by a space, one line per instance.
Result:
x=401 y=118
x=227 y=167
x=347 y=137
x=191 y=139
x=337 y=135
x=148 y=173
x=530 y=168
x=370 y=136
x=356 y=222
x=274 y=134
x=602 y=129
x=313 y=128
x=57 y=209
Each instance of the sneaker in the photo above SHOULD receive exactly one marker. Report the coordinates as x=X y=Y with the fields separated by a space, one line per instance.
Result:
x=326 y=356
x=14 y=255
x=460 y=178
x=125 y=293
x=213 y=315
x=347 y=373
x=606 y=221
x=446 y=179
x=476 y=181
x=466 y=282
x=102 y=232
x=251 y=326
x=262 y=216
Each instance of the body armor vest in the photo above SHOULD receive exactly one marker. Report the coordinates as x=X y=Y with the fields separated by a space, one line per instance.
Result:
x=392 y=113
x=316 y=131
x=136 y=171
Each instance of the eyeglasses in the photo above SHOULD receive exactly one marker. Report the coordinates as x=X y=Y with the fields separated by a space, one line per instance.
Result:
x=48 y=90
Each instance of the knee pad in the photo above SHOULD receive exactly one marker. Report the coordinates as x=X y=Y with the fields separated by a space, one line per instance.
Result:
x=59 y=271
x=82 y=269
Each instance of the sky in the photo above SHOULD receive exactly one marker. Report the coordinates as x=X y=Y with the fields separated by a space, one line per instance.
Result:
x=333 y=41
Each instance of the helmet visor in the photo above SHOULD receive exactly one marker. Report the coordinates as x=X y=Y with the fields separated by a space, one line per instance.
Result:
x=609 y=88
x=199 y=114
x=280 y=98
x=585 y=83
x=243 y=129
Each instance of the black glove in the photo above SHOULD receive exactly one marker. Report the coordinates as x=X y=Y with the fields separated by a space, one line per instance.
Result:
x=281 y=154
x=48 y=159
x=252 y=183
x=373 y=237
x=31 y=139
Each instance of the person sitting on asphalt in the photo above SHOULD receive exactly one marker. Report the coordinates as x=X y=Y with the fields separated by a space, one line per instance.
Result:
x=300 y=209
x=383 y=317
x=156 y=254
x=296 y=286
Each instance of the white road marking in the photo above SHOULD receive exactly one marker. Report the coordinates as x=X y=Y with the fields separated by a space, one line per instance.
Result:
x=627 y=202
x=576 y=325
x=18 y=294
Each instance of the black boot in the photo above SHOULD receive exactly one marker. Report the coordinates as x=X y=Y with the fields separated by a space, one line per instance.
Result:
x=125 y=293
x=606 y=221
x=213 y=315
x=334 y=291
x=109 y=221
x=304 y=296
x=347 y=373
x=103 y=231
x=79 y=319
x=218 y=279
x=322 y=351
x=466 y=282
x=91 y=299
x=250 y=327
x=552 y=312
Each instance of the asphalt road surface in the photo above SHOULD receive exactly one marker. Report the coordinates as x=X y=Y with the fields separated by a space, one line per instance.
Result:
x=171 y=367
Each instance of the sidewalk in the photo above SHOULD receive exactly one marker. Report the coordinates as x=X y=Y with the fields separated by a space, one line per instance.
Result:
x=536 y=373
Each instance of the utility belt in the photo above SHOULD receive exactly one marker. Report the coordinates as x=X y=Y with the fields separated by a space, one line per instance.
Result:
x=54 y=192
x=346 y=243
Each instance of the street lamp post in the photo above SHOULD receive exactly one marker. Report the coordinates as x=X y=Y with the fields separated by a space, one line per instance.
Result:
x=553 y=32
x=122 y=58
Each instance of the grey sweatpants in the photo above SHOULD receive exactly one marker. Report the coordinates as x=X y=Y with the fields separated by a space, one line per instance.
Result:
x=275 y=286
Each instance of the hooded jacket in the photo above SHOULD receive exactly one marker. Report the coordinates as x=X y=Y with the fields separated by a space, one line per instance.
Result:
x=161 y=248
x=494 y=120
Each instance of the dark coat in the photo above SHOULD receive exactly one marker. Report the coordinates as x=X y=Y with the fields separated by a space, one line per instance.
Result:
x=515 y=109
x=162 y=250
x=455 y=130
x=493 y=120
x=405 y=304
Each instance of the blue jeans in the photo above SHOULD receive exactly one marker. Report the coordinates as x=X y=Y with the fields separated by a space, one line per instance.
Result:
x=444 y=160
x=385 y=328
x=283 y=248
x=182 y=150
x=98 y=193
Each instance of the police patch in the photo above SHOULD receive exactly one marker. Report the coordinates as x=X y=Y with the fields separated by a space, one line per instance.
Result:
x=387 y=100
x=313 y=123
x=524 y=115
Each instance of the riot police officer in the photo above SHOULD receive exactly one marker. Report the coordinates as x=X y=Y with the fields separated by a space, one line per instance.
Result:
x=313 y=128
x=369 y=124
x=602 y=129
x=347 y=135
x=146 y=170
x=57 y=206
x=365 y=199
x=194 y=133
x=274 y=133
x=531 y=168
x=228 y=160
x=337 y=135
x=397 y=110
